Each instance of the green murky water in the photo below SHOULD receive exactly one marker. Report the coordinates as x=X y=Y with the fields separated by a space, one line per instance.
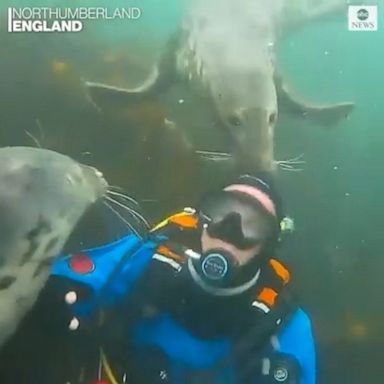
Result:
x=336 y=254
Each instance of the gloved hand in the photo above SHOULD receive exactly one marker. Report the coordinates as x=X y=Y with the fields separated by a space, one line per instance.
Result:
x=74 y=297
x=71 y=298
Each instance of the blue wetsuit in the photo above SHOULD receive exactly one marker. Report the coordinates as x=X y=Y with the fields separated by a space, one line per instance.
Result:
x=169 y=347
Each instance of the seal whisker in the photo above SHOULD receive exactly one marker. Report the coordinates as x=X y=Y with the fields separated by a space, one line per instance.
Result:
x=297 y=159
x=35 y=140
x=296 y=162
x=291 y=164
x=134 y=213
x=41 y=130
x=295 y=170
x=115 y=188
x=124 y=196
x=290 y=169
x=129 y=225
x=213 y=153
x=127 y=207
x=301 y=156
x=285 y=165
x=214 y=156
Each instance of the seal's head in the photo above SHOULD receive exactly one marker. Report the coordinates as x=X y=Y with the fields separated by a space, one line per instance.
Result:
x=246 y=101
x=252 y=132
x=43 y=194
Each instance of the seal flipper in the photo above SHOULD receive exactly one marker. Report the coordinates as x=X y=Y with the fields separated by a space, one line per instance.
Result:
x=308 y=12
x=104 y=93
x=159 y=80
x=327 y=114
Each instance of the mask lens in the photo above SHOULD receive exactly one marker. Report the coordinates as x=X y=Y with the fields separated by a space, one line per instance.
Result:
x=228 y=218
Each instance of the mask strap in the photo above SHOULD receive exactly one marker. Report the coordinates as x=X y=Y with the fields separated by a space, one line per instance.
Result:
x=256 y=193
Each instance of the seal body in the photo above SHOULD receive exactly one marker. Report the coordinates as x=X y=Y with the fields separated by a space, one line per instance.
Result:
x=225 y=52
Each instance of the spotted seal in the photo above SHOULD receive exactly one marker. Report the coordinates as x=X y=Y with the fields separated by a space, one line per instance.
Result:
x=43 y=194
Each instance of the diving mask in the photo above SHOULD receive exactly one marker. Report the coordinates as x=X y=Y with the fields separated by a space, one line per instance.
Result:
x=234 y=219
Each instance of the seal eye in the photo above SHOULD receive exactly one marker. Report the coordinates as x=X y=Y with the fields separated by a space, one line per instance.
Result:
x=272 y=118
x=234 y=120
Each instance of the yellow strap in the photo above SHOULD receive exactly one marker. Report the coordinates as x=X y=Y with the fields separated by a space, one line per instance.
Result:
x=184 y=219
x=160 y=225
x=107 y=368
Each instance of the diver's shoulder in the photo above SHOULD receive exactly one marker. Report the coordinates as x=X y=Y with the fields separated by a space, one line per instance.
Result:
x=299 y=321
x=296 y=339
x=297 y=334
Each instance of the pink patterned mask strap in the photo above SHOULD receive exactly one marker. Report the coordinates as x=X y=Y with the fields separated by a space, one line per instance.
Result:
x=254 y=192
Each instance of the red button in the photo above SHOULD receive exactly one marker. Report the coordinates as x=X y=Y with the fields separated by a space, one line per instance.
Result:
x=81 y=263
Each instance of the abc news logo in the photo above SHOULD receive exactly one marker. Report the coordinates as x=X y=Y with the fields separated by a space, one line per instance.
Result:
x=362 y=18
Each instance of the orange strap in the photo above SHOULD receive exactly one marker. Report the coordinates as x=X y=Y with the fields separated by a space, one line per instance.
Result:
x=280 y=270
x=165 y=251
x=267 y=296
x=184 y=220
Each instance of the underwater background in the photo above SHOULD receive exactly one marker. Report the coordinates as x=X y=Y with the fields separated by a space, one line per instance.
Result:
x=336 y=253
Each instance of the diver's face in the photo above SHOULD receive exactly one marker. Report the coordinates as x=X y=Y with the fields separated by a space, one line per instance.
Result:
x=240 y=256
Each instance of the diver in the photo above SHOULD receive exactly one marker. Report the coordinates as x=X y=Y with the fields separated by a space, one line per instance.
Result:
x=201 y=297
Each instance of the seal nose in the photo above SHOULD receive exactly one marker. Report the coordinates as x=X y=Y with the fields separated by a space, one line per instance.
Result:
x=96 y=179
x=95 y=171
x=98 y=173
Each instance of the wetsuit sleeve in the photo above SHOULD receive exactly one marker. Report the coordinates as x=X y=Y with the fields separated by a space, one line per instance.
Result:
x=108 y=273
x=296 y=339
